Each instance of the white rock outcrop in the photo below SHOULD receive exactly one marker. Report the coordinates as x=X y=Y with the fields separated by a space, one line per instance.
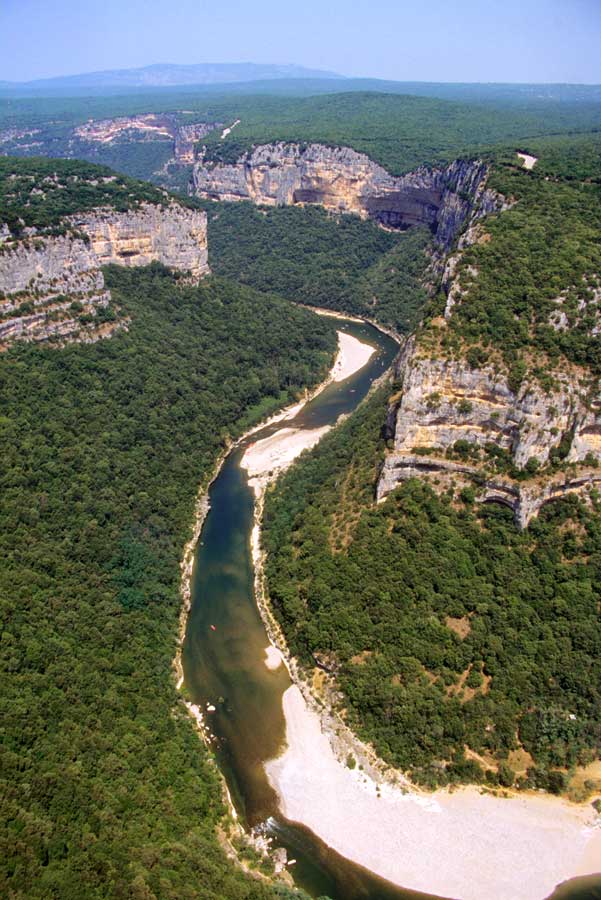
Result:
x=45 y=271
x=343 y=180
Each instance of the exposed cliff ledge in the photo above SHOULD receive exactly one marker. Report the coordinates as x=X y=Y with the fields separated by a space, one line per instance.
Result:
x=343 y=180
x=172 y=235
x=444 y=401
x=526 y=500
x=54 y=286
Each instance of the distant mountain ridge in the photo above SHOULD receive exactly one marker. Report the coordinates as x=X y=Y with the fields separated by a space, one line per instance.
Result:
x=168 y=75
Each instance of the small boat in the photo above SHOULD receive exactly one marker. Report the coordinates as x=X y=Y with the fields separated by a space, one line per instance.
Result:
x=213 y=628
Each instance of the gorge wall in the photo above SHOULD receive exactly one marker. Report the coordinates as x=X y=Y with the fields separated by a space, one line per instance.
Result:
x=342 y=180
x=53 y=286
x=443 y=401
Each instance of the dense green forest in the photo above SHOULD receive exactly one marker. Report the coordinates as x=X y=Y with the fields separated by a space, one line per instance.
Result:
x=138 y=159
x=106 y=789
x=567 y=156
x=312 y=257
x=447 y=628
x=540 y=264
x=41 y=192
x=399 y=131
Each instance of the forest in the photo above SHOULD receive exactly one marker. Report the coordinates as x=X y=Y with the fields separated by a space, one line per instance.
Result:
x=459 y=645
x=399 y=131
x=463 y=649
x=542 y=260
x=320 y=259
x=106 y=789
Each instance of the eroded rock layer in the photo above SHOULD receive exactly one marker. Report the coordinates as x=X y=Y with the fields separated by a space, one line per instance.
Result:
x=343 y=180
x=446 y=400
x=53 y=286
x=447 y=407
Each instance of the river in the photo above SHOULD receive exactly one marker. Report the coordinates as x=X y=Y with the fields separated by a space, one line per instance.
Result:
x=223 y=654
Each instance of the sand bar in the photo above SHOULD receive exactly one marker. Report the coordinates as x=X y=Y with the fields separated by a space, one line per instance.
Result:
x=273 y=657
x=266 y=458
x=463 y=845
x=353 y=354
x=276 y=452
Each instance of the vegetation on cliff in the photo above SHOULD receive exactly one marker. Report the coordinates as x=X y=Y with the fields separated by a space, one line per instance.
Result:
x=465 y=649
x=41 y=192
x=534 y=283
x=338 y=262
x=107 y=791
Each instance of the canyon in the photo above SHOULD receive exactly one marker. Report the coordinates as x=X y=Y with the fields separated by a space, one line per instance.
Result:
x=443 y=400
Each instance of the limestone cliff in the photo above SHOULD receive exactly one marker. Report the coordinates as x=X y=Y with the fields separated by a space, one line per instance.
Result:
x=343 y=180
x=149 y=126
x=172 y=235
x=53 y=286
x=444 y=401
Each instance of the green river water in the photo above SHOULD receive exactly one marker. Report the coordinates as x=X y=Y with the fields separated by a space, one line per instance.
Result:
x=224 y=665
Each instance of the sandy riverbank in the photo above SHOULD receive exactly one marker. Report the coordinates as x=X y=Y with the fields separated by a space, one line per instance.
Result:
x=351 y=356
x=266 y=458
x=465 y=844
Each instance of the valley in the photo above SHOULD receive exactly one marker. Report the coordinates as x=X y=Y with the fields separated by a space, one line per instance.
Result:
x=427 y=567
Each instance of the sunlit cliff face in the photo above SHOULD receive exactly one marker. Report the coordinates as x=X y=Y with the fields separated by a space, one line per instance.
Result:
x=49 y=282
x=342 y=180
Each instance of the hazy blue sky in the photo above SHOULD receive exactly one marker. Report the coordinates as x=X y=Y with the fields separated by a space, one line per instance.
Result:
x=422 y=40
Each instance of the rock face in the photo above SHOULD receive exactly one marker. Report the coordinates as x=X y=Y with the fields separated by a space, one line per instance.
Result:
x=151 y=126
x=525 y=500
x=41 y=277
x=343 y=180
x=444 y=401
x=172 y=235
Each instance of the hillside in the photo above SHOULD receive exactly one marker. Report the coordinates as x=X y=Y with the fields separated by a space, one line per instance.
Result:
x=107 y=790
x=503 y=378
x=310 y=257
x=40 y=193
x=462 y=644
x=400 y=132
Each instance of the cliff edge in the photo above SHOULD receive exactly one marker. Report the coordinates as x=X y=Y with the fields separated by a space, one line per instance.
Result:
x=51 y=280
x=342 y=180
